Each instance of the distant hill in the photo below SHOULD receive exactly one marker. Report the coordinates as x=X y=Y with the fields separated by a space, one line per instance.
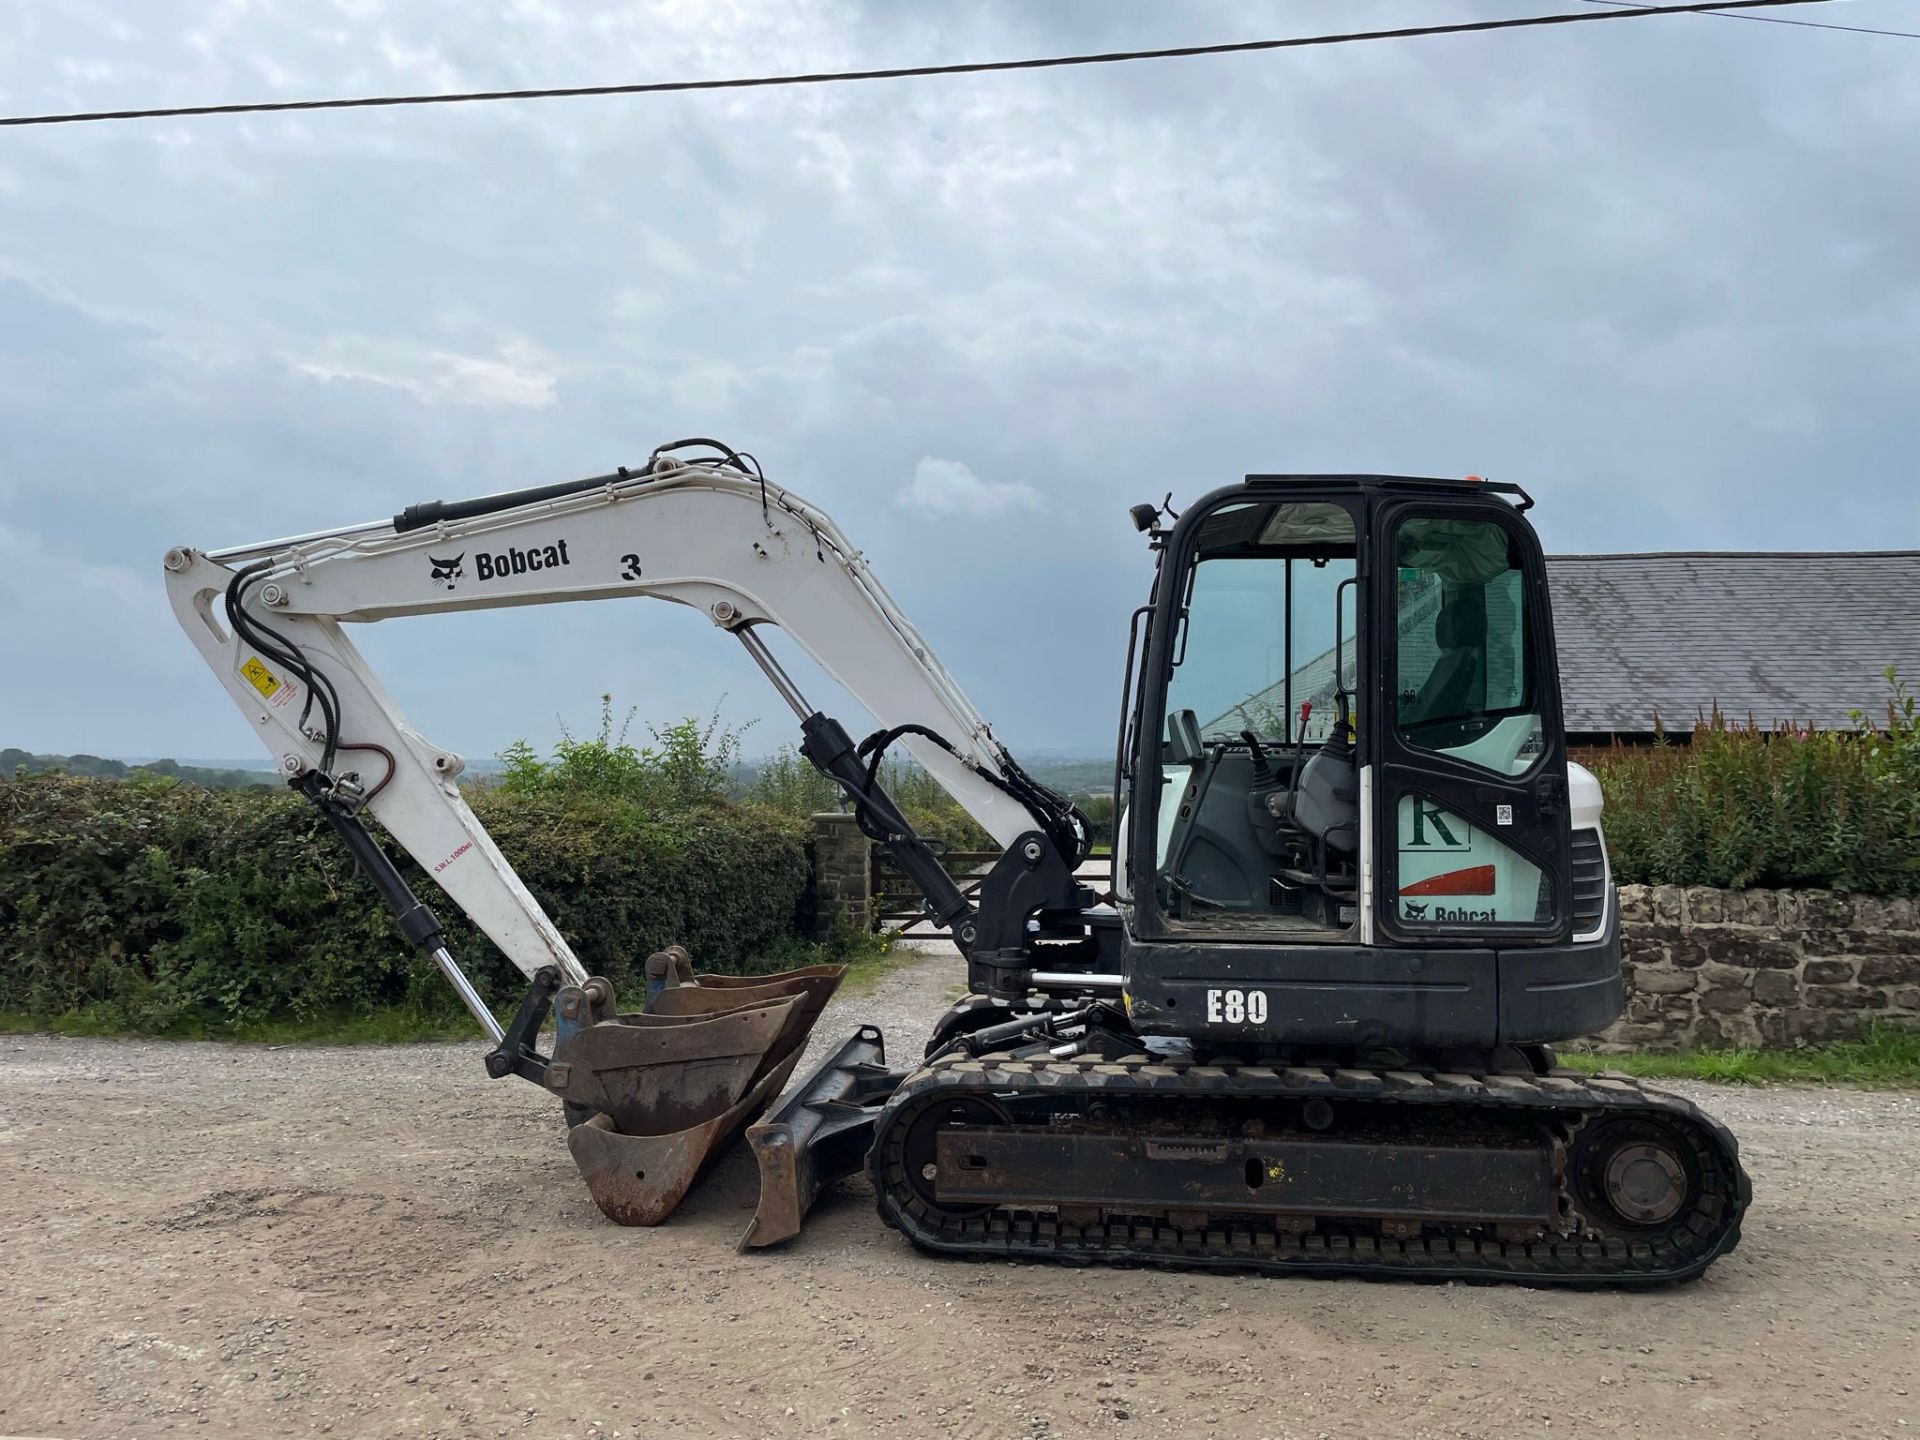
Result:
x=1072 y=777
x=206 y=762
x=13 y=761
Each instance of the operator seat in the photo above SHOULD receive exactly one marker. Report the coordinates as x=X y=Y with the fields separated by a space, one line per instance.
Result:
x=1324 y=801
x=1458 y=679
x=1321 y=806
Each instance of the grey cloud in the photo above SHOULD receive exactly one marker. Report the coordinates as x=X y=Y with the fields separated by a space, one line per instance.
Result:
x=1661 y=272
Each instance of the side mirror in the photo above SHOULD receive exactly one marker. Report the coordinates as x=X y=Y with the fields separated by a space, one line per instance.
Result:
x=1183 y=738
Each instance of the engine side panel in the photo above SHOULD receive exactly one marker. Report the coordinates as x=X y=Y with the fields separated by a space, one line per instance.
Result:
x=1367 y=996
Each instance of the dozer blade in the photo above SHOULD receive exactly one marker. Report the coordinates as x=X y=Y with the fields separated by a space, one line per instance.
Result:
x=667 y=1090
x=819 y=1132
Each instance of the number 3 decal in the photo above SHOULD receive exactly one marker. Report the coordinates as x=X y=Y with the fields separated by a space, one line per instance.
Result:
x=632 y=564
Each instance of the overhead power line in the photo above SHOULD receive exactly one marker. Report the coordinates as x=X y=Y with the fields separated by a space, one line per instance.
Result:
x=982 y=67
x=1770 y=20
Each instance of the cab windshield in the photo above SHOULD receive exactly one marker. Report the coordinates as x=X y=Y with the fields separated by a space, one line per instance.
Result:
x=1257 y=646
x=1256 y=820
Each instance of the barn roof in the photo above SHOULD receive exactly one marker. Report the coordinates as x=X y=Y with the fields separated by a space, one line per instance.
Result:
x=1788 y=638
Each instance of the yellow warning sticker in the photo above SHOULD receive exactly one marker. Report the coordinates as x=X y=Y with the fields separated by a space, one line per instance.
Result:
x=261 y=678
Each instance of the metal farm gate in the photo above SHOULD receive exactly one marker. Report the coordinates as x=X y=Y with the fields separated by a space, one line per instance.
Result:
x=897 y=901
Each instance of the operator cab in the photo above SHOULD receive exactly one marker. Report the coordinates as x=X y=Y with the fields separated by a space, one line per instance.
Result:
x=1344 y=749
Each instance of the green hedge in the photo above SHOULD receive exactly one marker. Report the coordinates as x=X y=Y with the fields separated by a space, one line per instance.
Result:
x=168 y=907
x=1741 y=808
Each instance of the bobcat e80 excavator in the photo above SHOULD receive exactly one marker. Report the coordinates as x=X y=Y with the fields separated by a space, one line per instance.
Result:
x=1357 y=889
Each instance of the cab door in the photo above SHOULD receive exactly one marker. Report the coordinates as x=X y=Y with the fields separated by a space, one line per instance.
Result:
x=1470 y=813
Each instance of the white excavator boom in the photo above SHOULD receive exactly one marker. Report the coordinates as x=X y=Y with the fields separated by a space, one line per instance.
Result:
x=703 y=534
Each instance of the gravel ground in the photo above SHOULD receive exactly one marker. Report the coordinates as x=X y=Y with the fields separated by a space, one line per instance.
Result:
x=221 y=1240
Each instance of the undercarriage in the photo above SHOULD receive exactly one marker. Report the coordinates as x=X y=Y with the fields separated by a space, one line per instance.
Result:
x=1084 y=1145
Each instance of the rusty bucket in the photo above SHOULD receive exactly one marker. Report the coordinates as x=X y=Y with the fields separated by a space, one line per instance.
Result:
x=809 y=988
x=666 y=1091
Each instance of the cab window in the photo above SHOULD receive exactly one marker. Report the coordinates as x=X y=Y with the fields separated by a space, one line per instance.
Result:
x=1465 y=676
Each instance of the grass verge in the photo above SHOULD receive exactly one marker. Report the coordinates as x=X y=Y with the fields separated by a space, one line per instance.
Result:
x=1884 y=1057
x=379 y=1027
x=867 y=957
x=866 y=954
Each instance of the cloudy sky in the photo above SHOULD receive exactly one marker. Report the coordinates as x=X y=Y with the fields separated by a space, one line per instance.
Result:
x=1666 y=273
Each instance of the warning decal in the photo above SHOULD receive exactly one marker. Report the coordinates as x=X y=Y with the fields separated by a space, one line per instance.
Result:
x=261 y=678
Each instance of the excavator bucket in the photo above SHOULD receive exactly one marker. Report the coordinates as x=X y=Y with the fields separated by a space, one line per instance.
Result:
x=819 y=1132
x=641 y=1179
x=810 y=989
x=658 y=1095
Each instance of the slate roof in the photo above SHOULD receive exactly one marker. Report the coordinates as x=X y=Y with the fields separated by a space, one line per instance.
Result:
x=1798 y=638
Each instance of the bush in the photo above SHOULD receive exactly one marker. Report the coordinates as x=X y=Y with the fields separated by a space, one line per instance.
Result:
x=1099 y=812
x=725 y=881
x=689 y=764
x=1741 y=807
x=159 y=906
x=789 y=783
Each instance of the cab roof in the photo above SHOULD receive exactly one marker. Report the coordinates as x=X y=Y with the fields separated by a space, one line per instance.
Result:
x=1472 y=484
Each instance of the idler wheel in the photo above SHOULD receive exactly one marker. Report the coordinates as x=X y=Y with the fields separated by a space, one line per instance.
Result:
x=1633 y=1174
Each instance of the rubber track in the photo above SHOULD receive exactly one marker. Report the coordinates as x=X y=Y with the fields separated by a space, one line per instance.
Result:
x=1708 y=1229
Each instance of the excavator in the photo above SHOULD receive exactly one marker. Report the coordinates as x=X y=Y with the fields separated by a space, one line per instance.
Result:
x=1357 y=892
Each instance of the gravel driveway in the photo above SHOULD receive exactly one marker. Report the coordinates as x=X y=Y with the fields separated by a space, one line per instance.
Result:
x=222 y=1240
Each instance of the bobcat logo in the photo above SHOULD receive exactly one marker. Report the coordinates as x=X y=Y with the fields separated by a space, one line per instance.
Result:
x=1414 y=912
x=448 y=571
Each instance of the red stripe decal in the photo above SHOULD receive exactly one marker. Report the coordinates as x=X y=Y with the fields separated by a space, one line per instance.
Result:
x=1476 y=880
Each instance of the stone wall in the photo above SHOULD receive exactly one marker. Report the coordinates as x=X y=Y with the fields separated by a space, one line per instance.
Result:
x=1769 y=968
x=842 y=875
